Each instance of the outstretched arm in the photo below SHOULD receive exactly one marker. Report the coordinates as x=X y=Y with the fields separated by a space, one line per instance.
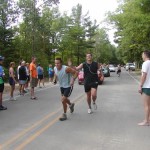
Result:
x=72 y=71
x=74 y=74
x=79 y=67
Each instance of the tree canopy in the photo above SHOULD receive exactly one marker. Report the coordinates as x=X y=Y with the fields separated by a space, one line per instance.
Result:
x=28 y=29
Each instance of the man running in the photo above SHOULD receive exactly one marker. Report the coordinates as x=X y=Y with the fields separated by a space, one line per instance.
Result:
x=90 y=80
x=119 y=70
x=66 y=77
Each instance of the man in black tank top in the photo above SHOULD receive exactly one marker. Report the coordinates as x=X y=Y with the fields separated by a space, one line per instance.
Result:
x=90 y=80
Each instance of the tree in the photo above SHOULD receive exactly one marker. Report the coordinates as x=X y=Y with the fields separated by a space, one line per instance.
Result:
x=130 y=19
x=8 y=16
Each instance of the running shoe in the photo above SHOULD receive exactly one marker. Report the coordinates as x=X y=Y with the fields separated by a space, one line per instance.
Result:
x=2 y=107
x=89 y=111
x=63 y=117
x=12 y=99
x=34 y=98
x=94 y=105
x=72 y=108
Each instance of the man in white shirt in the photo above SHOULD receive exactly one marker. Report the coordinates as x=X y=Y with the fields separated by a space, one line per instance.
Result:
x=144 y=88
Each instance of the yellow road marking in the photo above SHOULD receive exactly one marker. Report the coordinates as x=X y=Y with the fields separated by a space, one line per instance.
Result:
x=31 y=138
x=5 y=144
x=28 y=129
x=38 y=133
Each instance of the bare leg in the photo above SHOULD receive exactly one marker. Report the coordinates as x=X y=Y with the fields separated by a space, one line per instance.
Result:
x=89 y=99
x=32 y=92
x=65 y=101
x=146 y=103
x=94 y=94
x=20 y=86
x=12 y=91
x=39 y=82
x=22 y=89
x=1 y=98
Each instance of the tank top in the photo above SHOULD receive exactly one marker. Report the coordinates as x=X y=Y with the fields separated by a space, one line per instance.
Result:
x=90 y=72
x=63 y=77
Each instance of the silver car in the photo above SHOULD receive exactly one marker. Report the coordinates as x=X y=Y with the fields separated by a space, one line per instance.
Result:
x=112 y=68
x=130 y=66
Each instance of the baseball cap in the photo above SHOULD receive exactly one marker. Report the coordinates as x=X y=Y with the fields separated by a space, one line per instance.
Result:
x=1 y=58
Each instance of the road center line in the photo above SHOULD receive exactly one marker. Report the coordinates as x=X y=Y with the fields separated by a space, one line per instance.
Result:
x=19 y=135
x=28 y=129
x=38 y=133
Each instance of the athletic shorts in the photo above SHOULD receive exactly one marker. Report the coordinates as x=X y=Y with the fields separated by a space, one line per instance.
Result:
x=1 y=88
x=146 y=91
x=34 y=82
x=40 y=77
x=11 y=81
x=88 y=86
x=22 y=82
x=118 y=71
x=28 y=78
x=51 y=75
x=66 y=91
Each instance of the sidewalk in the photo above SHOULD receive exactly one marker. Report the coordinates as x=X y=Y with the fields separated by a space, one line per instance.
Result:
x=6 y=92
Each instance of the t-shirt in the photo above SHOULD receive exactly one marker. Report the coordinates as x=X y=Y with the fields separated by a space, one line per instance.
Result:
x=146 y=69
x=22 y=73
x=33 y=70
x=1 y=75
x=50 y=71
x=40 y=70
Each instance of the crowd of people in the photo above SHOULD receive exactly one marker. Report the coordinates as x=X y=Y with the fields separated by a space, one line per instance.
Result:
x=66 y=75
x=25 y=74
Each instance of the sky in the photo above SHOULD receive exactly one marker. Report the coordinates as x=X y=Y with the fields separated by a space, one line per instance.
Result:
x=97 y=9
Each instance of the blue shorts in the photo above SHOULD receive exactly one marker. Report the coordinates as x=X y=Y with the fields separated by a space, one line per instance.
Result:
x=11 y=81
x=22 y=82
x=66 y=91
x=51 y=75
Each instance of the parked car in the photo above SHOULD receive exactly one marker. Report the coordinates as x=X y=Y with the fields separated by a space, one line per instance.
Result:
x=106 y=72
x=131 y=66
x=81 y=77
x=112 y=68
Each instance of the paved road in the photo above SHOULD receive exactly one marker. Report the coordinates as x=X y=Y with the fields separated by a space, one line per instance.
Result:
x=34 y=125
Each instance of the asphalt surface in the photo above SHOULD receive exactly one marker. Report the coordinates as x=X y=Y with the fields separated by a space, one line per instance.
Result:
x=35 y=125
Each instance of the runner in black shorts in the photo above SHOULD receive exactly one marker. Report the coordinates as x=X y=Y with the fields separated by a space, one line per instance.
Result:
x=90 y=80
x=66 y=91
x=66 y=76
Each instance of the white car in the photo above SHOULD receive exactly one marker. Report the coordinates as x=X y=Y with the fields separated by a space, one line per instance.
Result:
x=112 y=68
x=130 y=66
